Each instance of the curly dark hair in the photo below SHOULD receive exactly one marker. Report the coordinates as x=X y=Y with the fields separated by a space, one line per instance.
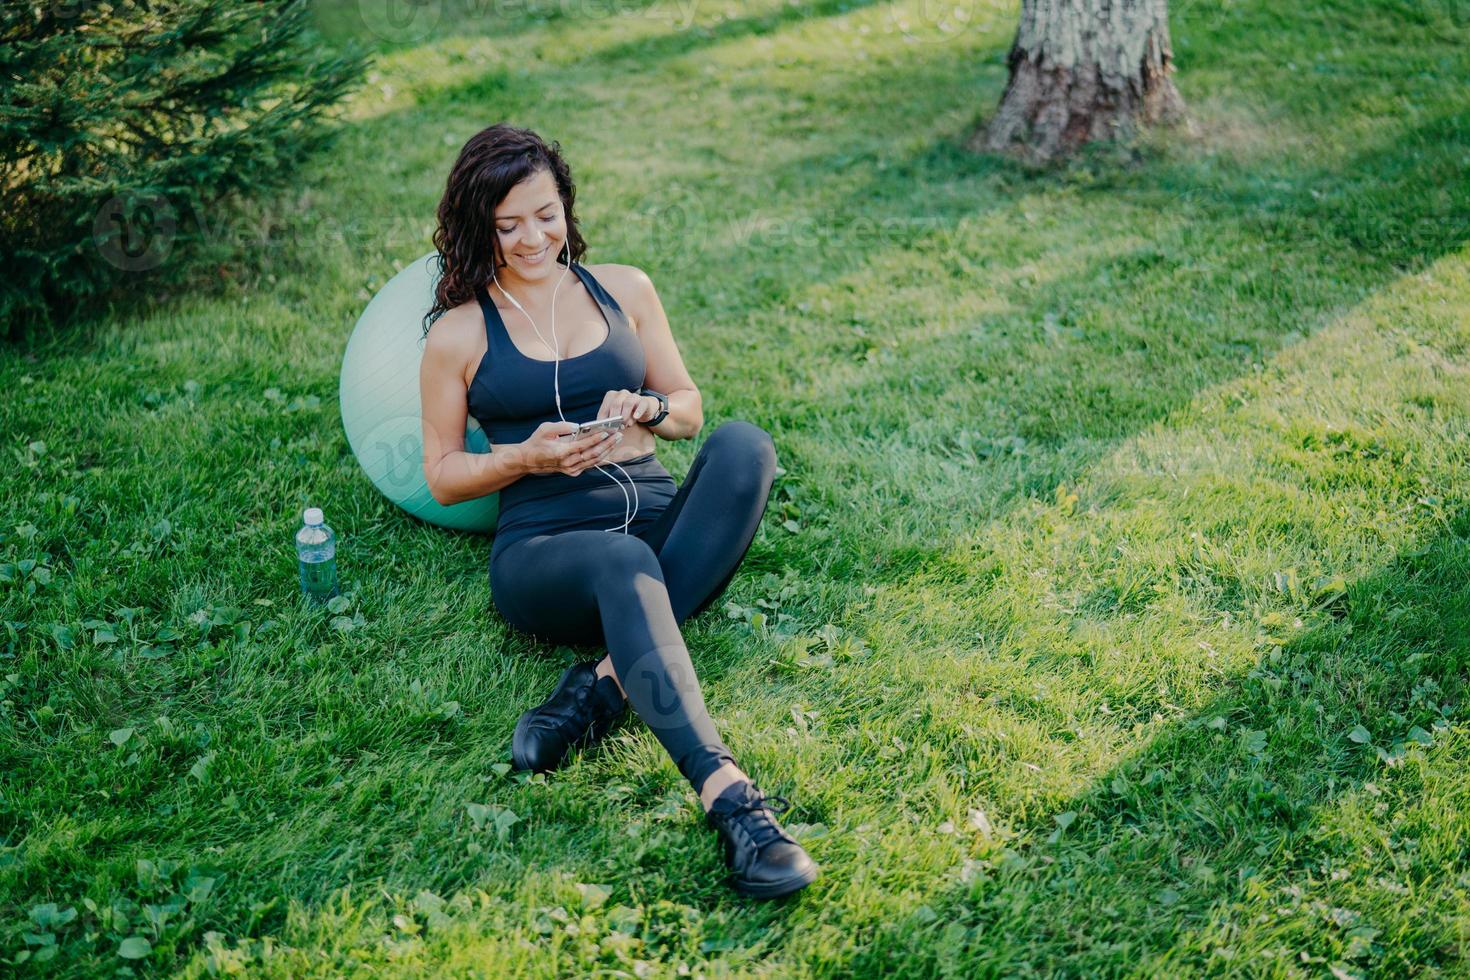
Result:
x=492 y=162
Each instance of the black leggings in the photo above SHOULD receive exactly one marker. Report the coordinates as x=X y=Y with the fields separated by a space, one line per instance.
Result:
x=631 y=592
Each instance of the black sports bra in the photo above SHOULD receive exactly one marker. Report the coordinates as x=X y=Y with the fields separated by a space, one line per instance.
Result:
x=511 y=394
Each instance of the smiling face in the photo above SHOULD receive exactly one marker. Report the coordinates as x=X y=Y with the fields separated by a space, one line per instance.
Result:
x=531 y=226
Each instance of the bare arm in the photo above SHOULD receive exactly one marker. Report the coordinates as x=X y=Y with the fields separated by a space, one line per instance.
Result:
x=453 y=474
x=665 y=368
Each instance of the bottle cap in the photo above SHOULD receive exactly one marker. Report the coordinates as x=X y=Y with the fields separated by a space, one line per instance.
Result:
x=313 y=515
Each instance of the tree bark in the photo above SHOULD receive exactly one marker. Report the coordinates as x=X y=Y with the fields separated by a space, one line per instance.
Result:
x=1083 y=70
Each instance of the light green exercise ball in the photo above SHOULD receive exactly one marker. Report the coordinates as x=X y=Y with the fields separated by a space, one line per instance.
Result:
x=380 y=401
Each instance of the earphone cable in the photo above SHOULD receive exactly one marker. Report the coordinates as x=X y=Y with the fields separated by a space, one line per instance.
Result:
x=556 y=385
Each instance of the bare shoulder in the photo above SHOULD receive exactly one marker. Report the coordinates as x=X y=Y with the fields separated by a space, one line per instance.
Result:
x=630 y=286
x=457 y=335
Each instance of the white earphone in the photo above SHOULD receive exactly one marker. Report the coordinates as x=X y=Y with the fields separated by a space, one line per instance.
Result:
x=556 y=384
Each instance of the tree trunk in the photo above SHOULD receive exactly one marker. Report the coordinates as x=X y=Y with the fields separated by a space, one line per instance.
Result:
x=1083 y=70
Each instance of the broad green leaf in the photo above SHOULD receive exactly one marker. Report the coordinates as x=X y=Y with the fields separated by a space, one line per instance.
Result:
x=1419 y=736
x=479 y=813
x=134 y=948
x=593 y=896
x=200 y=769
x=51 y=916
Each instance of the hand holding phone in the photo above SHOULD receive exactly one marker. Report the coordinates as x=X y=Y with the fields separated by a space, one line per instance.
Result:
x=609 y=424
x=555 y=448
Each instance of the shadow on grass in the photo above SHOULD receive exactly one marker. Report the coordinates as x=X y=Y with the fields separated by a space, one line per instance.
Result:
x=666 y=47
x=400 y=25
x=1122 y=395
x=1359 y=224
x=1061 y=380
x=1232 y=814
x=1110 y=371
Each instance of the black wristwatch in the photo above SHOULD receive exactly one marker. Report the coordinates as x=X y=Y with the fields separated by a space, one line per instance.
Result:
x=663 y=401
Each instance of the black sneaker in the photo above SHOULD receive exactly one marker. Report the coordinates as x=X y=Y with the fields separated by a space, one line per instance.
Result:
x=767 y=862
x=582 y=709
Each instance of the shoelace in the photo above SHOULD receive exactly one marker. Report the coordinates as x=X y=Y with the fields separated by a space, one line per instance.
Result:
x=761 y=827
x=565 y=722
x=586 y=709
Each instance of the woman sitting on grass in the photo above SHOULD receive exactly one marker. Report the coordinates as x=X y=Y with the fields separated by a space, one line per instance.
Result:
x=579 y=558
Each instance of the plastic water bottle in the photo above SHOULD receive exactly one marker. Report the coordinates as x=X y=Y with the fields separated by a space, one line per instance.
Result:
x=316 y=551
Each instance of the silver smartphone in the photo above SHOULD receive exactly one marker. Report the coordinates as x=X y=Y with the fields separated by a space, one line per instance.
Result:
x=611 y=425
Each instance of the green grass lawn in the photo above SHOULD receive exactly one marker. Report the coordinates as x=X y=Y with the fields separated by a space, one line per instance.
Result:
x=1111 y=615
